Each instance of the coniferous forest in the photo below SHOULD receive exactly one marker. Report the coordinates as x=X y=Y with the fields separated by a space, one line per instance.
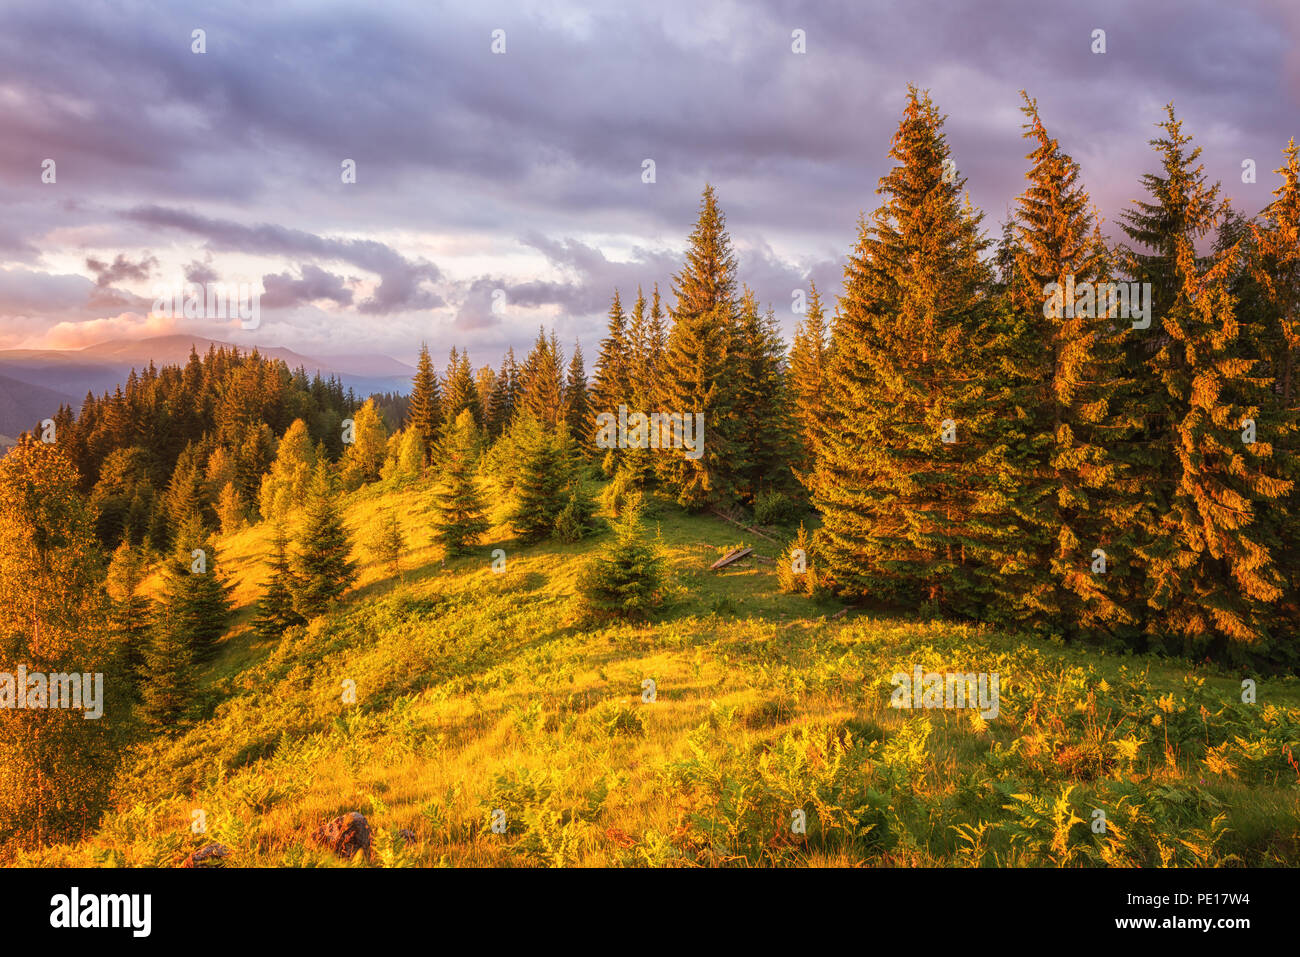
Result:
x=649 y=604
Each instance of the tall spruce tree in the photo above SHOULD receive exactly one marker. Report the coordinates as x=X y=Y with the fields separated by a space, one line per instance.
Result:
x=195 y=600
x=911 y=413
x=458 y=507
x=577 y=401
x=461 y=392
x=1210 y=578
x=424 y=414
x=323 y=567
x=275 y=609
x=1078 y=499
x=767 y=447
x=807 y=377
x=699 y=373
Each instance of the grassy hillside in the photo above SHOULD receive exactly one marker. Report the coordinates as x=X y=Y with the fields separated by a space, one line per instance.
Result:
x=479 y=691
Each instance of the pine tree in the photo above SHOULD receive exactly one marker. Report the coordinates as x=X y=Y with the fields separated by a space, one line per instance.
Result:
x=1076 y=499
x=807 y=376
x=363 y=459
x=55 y=766
x=699 y=370
x=275 y=609
x=406 y=462
x=627 y=579
x=541 y=481
x=458 y=508
x=1211 y=579
x=322 y=564
x=195 y=599
x=424 y=415
x=131 y=612
x=576 y=400
x=910 y=360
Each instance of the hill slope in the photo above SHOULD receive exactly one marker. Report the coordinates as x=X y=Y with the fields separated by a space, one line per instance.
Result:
x=478 y=692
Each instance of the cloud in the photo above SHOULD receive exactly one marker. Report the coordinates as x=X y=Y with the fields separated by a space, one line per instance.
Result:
x=283 y=291
x=106 y=274
x=401 y=286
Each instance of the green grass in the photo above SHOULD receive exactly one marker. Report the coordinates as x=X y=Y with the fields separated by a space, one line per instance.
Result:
x=479 y=691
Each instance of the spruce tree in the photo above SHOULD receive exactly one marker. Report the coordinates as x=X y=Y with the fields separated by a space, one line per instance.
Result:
x=627 y=579
x=458 y=507
x=577 y=402
x=699 y=370
x=543 y=382
x=282 y=489
x=807 y=377
x=195 y=600
x=424 y=415
x=1211 y=579
x=540 y=483
x=169 y=680
x=766 y=447
x=322 y=564
x=908 y=412
x=275 y=609
x=461 y=392
x=131 y=612
x=1077 y=498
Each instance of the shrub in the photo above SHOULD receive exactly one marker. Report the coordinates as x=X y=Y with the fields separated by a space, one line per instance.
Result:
x=795 y=570
x=775 y=508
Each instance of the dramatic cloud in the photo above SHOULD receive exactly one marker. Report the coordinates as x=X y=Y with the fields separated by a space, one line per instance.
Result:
x=524 y=171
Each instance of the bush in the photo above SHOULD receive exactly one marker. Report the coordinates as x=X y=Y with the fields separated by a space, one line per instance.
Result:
x=575 y=520
x=621 y=494
x=775 y=508
x=795 y=570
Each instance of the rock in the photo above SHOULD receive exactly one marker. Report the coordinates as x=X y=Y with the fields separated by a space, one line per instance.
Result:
x=345 y=835
x=209 y=855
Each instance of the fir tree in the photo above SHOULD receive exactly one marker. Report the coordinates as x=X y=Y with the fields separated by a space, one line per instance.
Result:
x=275 y=609
x=908 y=415
x=424 y=416
x=766 y=448
x=1210 y=577
x=322 y=564
x=461 y=392
x=195 y=599
x=1076 y=499
x=699 y=370
x=626 y=579
x=131 y=612
x=576 y=401
x=458 y=508
x=807 y=376
x=363 y=459
x=540 y=484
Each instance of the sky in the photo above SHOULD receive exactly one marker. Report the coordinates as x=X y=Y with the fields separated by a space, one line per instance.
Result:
x=500 y=148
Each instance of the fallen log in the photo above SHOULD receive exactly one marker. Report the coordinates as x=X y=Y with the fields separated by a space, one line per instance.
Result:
x=735 y=555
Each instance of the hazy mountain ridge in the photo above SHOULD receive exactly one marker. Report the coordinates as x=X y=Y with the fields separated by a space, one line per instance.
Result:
x=35 y=382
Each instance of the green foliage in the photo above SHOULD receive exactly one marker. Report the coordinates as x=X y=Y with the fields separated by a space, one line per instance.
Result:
x=275 y=610
x=459 y=520
x=627 y=578
x=323 y=567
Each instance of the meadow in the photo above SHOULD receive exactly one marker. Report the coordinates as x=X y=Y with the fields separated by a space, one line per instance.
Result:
x=483 y=695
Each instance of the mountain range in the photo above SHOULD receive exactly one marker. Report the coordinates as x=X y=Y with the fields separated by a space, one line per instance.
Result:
x=35 y=382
